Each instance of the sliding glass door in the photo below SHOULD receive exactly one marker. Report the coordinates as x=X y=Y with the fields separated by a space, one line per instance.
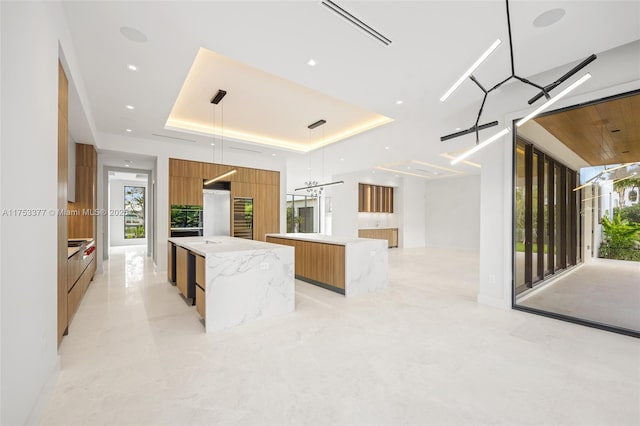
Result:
x=547 y=222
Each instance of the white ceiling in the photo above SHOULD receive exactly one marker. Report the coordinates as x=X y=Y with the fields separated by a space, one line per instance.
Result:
x=433 y=43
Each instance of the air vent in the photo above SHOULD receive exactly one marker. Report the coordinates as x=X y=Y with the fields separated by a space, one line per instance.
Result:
x=173 y=137
x=355 y=21
x=245 y=149
x=141 y=176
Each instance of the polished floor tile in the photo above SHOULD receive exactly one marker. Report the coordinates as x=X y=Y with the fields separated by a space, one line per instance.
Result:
x=605 y=291
x=420 y=352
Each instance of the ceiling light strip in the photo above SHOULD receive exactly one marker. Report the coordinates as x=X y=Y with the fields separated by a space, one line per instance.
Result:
x=468 y=163
x=222 y=176
x=471 y=69
x=355 y=21
x=480 y=146
x=553 y=100
x=320 y=185
x=403 y=172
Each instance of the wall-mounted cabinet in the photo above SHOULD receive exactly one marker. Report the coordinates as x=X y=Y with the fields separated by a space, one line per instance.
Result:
x=375 y=198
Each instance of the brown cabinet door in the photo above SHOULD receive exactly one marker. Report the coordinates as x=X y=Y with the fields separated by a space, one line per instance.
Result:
x=200 y=301
x=185 y=191
x=182 y=272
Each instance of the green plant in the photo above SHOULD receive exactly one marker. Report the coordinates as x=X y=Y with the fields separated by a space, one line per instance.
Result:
x=631 y=213
x=620 y=233
x=621 y=185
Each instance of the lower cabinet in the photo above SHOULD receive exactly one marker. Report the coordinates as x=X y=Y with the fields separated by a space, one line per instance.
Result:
x=80 y=272
x=185 y=272
x=201 y=284
x=389 y=234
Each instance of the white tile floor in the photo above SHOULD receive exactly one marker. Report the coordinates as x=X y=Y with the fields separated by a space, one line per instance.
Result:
x=604 y=290
x=421 y=352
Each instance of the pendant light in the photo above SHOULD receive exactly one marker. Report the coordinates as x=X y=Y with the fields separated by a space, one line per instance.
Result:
x=215 y=101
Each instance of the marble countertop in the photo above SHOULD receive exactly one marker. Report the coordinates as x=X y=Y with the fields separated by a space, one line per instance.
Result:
x=320 y=238
x=220 y=244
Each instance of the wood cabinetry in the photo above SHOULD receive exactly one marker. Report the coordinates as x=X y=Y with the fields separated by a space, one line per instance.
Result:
x=320 y=263
x=185 y=191
x=80 y=271
x=263 y=186
x=389 y=234
x=375 y=198
x=83 y=225
x=201 y=285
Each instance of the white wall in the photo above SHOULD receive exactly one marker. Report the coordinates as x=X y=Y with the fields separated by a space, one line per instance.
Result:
x=453 y=213
x=29 y=81
x=412 y=197
x=116 y=222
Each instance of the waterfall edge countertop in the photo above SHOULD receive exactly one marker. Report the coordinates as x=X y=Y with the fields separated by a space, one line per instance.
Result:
x=244 y=280
x=320 y=238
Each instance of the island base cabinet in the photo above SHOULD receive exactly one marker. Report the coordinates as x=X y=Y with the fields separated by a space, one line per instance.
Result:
x=200 y=300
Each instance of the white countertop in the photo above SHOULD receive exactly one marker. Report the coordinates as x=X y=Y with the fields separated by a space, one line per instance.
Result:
x=320 y=238
x=220 y=244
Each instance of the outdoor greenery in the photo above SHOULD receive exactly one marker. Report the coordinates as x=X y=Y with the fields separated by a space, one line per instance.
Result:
x=134 y=207
x=631 y=213
x=622 y=239
x=520 y=247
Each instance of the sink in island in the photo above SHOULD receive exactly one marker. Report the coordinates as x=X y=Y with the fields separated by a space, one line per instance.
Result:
x=349 y=266
x=232 y=280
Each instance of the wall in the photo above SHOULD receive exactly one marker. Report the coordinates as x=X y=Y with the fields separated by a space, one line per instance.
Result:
x=116 y=222
x=412 y=198
x=29 y=58
x=453 y=213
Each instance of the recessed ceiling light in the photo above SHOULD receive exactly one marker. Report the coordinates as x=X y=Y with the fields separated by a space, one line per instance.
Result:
x=342 y=159
x=308 y=168
x=312 y=62
x=457 y=128
x=387 y=147
x=399 y=102
x=373 y=171
x=213 y=144
x=409 y=167
x=397 y=175
x=273 y=154
x=131 y=107
x=132 y=67
x=128 y=130
x=548 y=18
x=132 y=34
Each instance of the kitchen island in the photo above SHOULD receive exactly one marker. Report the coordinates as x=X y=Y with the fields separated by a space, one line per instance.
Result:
x=349 y=266
x=233 y=280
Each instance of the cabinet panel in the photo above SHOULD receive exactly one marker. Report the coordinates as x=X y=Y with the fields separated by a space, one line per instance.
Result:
x=375 y=198
x=171 y=262
x=389 y=234
x=182 y=275
x=200 y=271
x=185 y=191
x=200 y=301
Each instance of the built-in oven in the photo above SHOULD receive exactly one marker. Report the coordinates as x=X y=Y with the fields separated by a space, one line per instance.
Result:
x=186 y=221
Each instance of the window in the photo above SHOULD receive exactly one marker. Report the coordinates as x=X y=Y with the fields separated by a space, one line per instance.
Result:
x=134 y=212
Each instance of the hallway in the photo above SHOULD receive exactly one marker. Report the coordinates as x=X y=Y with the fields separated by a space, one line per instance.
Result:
x=421 y=352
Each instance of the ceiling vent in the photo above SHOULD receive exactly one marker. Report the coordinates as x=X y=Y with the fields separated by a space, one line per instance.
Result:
x=173 y=137
x=355 y=21
x=245 y=149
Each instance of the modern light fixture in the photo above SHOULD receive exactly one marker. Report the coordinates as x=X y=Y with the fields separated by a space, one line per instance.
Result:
x=355 y=21
x=313 y=187
x=553 y=100
x=471 y=69
x=478 y=147
x=544 y=90
x=218 y=97
x=222 y=176
x=215 y=101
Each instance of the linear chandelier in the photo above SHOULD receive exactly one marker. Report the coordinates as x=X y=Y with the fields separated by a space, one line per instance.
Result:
x=313 y=187
x=544 y=91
